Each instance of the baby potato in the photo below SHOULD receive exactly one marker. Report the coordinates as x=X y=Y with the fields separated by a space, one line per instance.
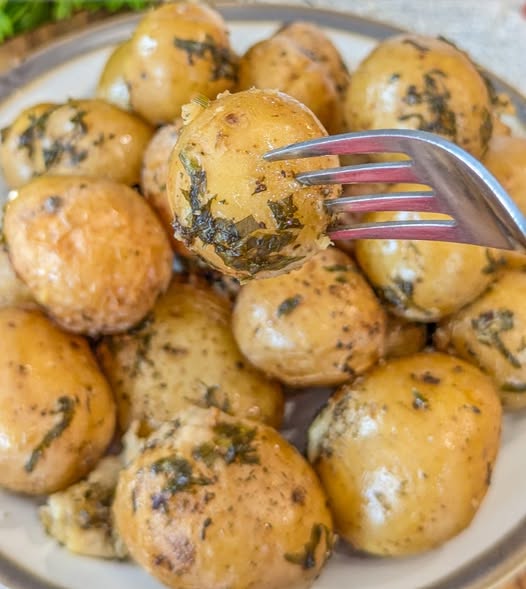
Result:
x=112 y=86
x=92 y=252
x=177 y=52
x=243 y=215
x=416 y=82
x=13 y=291
x=155 y=171
x=506 y=160
x=406 y=453
x=216 y=501
x=318 y=325
x=58 y=413
x=491 y=333
x=278 y=63
x=423 y=280
x=404 y=337
x=184 y=354
x=88 y=137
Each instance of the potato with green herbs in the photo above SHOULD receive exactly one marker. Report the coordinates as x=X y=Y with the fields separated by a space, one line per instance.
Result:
x=416 y=82
x=243 y=215
x=318 y=325
x=112 y=87
x=81 y=137
x=92 y=252
x=406 y=452
x=185 y=354
x=423 y=280
x=491 y=333
x=178 y=51
x=404 y=337
x=216 y=501
x=58 y=412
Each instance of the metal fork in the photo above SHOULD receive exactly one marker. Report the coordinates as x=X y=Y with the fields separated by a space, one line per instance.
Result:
x=481 y=211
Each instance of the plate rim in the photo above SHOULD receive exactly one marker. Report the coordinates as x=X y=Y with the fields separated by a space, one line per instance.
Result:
x=490 y=569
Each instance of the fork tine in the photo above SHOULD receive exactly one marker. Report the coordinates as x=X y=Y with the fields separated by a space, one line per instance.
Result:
x=394 y=201
x=432 y=230
x=398 y=171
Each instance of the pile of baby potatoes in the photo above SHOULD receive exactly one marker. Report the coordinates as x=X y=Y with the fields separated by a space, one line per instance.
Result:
x=164 y=289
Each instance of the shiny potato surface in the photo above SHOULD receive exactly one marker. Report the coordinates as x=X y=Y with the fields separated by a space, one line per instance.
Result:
x=318 y=325
x=13 y=291
x=423 y=280
x=178 y=51
x=278 y=63
x=185 y=354
x=406 y=453
x=215 y=501
x=155 y=171
x=404 y=337
x=58 y=413
x=245 y=216
x=416 y=82
x=491 y=333
x=92 y=252
x=81 y=137
x=112 y=86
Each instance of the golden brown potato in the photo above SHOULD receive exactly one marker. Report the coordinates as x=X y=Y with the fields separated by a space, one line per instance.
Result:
x=185 y=354
x=58 y=413
x=491 y=333
x=13 y=291
x=80 y=517
x=318 y=325
x=404 y=337
x=245 y=216
x=81 y=137
x=423 y=280
x=278 y=63
x=92 y=252
x=416 y=82
x=406 y=453
x=215 y=501
x=112 y=86
x=155 y=171
x=177 y=52
x=506 y=160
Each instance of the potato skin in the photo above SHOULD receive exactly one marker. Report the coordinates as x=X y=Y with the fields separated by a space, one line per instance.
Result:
x=177 y=52
x=405 y=453
x=404 y=337
x=58 y=413
x=81 y=137
x=112 y=86
x=416 y=82
x=245 y=216
x=185 y=354
x=247 y=493
x=58 y=230
x=490 y=334
x=318 y=325
x=13 y=291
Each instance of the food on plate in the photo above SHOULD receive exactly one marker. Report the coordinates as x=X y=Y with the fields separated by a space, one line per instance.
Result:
x=491 y=333
x=92 y=252
x=301 y=61
x=506 y=160
x=155 y=171
x=80 y=517
x=184 y=354
x=13 y=291
x=243 y=215
x=404 y=337
x=80 y=137
x=415 y=82
x=406 y=452
x=177 y=52
x=423 y=280
x=58 y=412
x=217 y=501
x=318 y=325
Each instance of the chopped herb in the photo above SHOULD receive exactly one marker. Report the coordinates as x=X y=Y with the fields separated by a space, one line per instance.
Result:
x=78 y=120
x=247 y=226
x=260 y=186
x=493 y=264
x=210 y=399
x=179 y=475
x=427 y=377
x=35 y=130
x=288 y=305
x=488 y=327
x=201 y=101
x=307 y=558
x=416 y=45
x=486 y=128
x=394 y=78
x=283 y=213
x=66 y=409
x=419 y=400
x=233 y=443
x=338 y=268
x=514 y=387
x=207 y=523
x=53 y=203
x=224 y=65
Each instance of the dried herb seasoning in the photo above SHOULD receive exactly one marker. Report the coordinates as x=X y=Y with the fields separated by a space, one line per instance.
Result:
x=233 y=443
x=179 y=476
x=283 y=212
x=489 y=326
x=224 y=65
x=419 y=400
x=307 y=558
x=288 y=305
x=35 y=130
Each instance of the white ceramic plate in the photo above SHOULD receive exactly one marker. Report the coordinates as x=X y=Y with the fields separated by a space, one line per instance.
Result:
x=483 y=556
